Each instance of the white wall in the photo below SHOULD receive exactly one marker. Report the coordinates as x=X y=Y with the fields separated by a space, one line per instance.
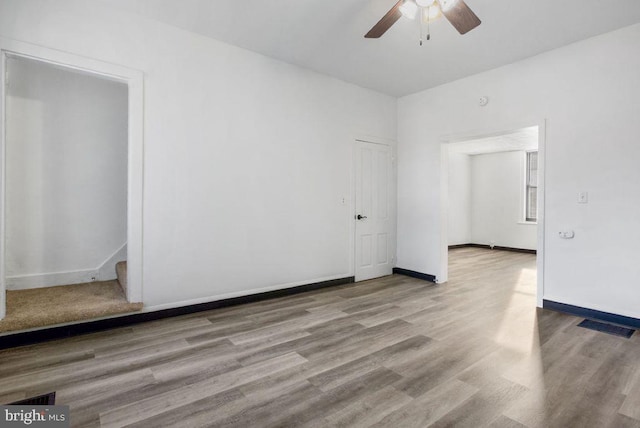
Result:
x=247 y=159
x=66 y=174
x=497 y=186
x=589 y=93
x=486 y=200
x=459 y=224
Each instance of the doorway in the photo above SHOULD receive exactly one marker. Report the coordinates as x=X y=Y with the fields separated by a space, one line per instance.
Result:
x=71 y=179
x=375 y=219
x=493 y=196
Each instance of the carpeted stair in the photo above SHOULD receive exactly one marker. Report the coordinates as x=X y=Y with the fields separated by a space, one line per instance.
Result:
x=121 y=271
x=40 y=307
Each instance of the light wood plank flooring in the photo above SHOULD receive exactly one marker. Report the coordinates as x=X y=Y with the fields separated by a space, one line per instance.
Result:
x=392 y=352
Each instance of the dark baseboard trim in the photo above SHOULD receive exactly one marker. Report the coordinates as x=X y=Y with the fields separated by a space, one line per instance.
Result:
x=495 y=247
x=414 y=274
x=453 y=247
x=52 y=333
x=591 y=314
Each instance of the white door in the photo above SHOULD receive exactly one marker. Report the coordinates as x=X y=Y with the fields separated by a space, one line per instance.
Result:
x=375 y=211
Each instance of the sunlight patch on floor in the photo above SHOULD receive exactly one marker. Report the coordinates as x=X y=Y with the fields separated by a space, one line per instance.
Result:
x=519 y=332
x=516 y=331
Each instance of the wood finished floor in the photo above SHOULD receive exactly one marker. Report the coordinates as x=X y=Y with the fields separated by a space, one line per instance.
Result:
x=392 y=352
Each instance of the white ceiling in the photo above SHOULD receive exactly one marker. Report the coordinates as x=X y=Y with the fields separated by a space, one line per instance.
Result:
x=523 y=139
x=327 y=36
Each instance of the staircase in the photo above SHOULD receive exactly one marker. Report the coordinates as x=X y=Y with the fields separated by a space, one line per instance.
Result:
x=121 y=271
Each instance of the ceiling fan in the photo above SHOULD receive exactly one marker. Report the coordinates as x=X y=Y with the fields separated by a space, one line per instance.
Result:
x=456 y=11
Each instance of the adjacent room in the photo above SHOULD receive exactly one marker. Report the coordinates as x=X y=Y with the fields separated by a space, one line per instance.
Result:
x=493 y=195
x=65 y=227
x=404 y=213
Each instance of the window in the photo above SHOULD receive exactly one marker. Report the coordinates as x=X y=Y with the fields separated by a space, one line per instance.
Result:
x=531 y=188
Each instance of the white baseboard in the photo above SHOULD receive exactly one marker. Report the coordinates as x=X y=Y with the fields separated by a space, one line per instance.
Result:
x=105 y=272
x=24 y=282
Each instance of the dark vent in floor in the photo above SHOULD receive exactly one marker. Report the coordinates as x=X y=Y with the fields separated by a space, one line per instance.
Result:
x=607 y=328
x=41 y=400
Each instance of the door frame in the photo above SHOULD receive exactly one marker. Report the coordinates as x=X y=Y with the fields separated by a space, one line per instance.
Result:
x=393 y=188
x=444 y=195
x=134 y=79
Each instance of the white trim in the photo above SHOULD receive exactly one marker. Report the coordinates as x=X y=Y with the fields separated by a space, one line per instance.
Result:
x=443 y=275
x=523 y=188
x=540 y=261
x=522 y=215
x=50 y=279
x=445 y=140
x=105 y=272
x=3 y=102
x=135 y=189
x=487 y=132
x=134 y=79
x=375 y=140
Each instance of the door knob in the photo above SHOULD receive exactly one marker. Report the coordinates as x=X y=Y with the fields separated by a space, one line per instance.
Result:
x=360 y=217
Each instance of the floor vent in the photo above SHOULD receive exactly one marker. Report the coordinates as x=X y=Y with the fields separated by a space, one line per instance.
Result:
x=607 y=328
x=41 y=400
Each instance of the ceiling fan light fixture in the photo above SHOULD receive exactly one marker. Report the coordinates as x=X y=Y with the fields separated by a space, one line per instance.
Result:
x=431 y=13
x=445 y=5
x=456 y=11
x=409 y=9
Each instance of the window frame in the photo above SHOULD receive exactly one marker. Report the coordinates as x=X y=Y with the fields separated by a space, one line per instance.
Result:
x=527 y=186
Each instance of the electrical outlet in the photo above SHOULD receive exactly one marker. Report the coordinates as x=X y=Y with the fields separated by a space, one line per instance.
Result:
x=566 y=234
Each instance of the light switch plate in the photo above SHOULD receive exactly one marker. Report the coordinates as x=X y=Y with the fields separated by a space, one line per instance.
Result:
x=583 y=197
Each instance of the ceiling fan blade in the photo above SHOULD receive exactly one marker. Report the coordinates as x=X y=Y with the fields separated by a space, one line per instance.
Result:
x=386 y=22
x=459 y=15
